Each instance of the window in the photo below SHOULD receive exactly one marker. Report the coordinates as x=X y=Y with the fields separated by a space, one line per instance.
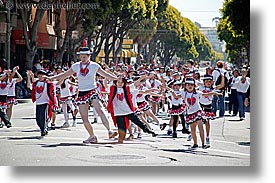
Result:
x=49 y=17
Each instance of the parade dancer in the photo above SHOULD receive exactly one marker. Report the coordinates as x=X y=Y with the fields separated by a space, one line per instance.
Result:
x=142 y=104
x=138 y=112
x=65 y=101
x=86 y=71
x=43 y=95
x=206 y=103
x=152 y=82
x=194 y=112
x=177 y=109
x=121 y=107
x=11 y=94
x=73 y=91
x=4 y=87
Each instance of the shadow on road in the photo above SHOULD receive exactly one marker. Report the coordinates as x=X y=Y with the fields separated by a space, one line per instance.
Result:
x=244 y=143
x=196 y=152
x=25 y=138
x=82 y=144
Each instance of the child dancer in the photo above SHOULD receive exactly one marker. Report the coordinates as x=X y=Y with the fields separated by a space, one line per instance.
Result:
x=11 y=94
x=177 y=109
x=42 y=94
x=153 y=82
x=65 y=101
x=4 y=87
x=121 y=107
x=206 y=103
x=194 y=112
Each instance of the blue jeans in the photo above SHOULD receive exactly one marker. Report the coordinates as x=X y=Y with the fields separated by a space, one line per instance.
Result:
x=218 y=103
x=241 y=98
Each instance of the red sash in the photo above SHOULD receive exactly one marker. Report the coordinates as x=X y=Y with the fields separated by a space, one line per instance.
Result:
x=110 y=106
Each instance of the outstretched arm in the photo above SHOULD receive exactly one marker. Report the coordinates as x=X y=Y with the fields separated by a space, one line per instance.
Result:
x=211 y=93
x=106 y=74
x=62 y=75
x=172 y=92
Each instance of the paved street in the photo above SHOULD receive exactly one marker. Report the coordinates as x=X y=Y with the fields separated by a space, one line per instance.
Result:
x=22 y=145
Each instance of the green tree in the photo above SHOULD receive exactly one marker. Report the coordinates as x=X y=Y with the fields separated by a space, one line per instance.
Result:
x=234 y=28
x=30 y=28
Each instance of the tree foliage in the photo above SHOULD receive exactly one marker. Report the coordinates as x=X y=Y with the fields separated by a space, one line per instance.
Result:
x=234 y=29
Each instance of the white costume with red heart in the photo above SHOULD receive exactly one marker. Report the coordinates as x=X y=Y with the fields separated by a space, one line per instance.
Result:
x=4 y=89
x=86 y=74
x=193 y=108
x=178 y=106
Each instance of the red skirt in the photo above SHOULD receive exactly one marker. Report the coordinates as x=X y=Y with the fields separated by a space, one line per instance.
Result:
x=138 y=111
x=176 y=110
x=86 y=96
x=191 y=118
x=143 y=106
x=12 y=100
x=154 y=99
x=64 y=99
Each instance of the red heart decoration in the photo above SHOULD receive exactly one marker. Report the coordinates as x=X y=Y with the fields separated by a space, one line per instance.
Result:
x=120 y=96
x=191 y=101
x=71 y=88
x=139 y=95
x=39 y=89
x=3 y=85
x=84 y=72
x=204 y=91
x=153 y=84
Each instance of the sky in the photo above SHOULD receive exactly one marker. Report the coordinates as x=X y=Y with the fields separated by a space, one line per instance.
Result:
x=201 y=11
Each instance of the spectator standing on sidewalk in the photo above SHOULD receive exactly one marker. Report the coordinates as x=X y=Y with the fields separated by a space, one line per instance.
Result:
x=220 y=75
x=232 y=93
x=242 y=88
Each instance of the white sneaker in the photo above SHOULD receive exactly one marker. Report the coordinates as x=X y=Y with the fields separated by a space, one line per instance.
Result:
x=189 y=138
x=74 y=124
x=207 y=141
x=90 y=140
x=65 y=125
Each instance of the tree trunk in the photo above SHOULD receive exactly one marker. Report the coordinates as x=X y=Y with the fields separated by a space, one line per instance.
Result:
x=30 y=57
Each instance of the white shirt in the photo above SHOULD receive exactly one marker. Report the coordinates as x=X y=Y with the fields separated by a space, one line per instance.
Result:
x=120 y=105
x=234 y=82
x=216 y=74
x=134 y=93
x=73 y=89
x=65 y=92
x=206 y=100
x=192 y=101
x=242 y=87
x=11 y=91
x=141 y=97
x=4 y=87
x=87 y=82
x=153 y=83
x=175 y=101
x=41 y=93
